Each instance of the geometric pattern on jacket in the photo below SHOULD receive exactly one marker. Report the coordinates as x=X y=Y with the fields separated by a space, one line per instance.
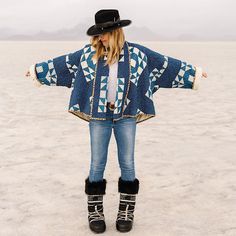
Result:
x=141 y=72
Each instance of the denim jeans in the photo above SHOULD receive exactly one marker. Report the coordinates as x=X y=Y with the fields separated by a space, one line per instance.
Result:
x=100 y=134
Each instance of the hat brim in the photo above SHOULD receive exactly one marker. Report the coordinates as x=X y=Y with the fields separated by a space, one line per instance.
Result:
x=93 y=30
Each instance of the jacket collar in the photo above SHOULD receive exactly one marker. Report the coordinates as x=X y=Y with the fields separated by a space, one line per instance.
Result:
x=98 y=74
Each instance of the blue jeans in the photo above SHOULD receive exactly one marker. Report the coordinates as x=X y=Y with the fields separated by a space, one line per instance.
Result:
x=100 y=134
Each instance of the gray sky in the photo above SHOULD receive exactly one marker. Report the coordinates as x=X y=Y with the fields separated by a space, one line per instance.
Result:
x=184 y=16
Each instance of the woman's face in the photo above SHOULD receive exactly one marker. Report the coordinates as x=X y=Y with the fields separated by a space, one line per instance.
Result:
x=104 y=38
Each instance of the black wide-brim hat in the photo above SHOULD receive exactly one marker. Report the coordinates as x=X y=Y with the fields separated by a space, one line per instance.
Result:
x=107 y=20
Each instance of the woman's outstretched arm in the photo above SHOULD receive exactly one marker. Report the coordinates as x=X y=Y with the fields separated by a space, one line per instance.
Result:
x=58 y=71
x=169 y=72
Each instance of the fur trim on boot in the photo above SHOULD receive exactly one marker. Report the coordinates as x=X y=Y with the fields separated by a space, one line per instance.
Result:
x=131 y=187
x=94 y=188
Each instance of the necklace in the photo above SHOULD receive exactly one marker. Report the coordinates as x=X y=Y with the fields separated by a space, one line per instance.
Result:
x=106 y=51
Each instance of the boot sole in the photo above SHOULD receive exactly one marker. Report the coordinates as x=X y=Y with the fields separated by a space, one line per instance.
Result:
x=98 y=231
x=123 y=230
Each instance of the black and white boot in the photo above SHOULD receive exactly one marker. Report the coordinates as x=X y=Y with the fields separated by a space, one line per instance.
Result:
x=125 y=216
x=95 y=192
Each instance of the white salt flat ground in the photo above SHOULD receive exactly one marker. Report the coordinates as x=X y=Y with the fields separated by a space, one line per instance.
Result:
x=185 y=156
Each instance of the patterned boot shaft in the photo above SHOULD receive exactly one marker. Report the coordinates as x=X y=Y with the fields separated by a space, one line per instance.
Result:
x=125 y=214
x=95 y=213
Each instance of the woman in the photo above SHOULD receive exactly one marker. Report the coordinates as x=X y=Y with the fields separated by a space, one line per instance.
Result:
x=113 y=84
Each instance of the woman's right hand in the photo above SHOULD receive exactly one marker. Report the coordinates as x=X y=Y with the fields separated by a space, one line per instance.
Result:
x=27 y=74
x=30 y=74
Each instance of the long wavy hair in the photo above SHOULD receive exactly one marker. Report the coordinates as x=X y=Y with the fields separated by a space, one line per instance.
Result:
x=116 y=40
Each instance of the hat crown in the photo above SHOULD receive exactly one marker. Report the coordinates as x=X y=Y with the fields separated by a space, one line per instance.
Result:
x=107 y=15
x=107 y=20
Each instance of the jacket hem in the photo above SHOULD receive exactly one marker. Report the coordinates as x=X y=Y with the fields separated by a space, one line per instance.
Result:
x=139 y=118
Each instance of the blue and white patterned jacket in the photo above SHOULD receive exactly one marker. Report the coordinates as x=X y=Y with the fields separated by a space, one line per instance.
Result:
x=141 y=72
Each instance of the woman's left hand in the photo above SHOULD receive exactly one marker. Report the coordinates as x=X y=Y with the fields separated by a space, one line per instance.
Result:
x=204 y=74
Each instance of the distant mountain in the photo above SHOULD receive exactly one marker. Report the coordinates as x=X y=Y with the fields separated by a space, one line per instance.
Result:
x=75 y=33
x=78 y=32
x=7 y=32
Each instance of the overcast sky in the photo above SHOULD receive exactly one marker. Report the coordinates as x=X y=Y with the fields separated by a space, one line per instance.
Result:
x=184 y=16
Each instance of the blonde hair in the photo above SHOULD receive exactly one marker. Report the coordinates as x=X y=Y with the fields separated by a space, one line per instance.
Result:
x=115 y=44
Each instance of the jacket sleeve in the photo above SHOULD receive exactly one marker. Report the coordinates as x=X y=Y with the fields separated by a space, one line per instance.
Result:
x=169 y=72
x=58 y=71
